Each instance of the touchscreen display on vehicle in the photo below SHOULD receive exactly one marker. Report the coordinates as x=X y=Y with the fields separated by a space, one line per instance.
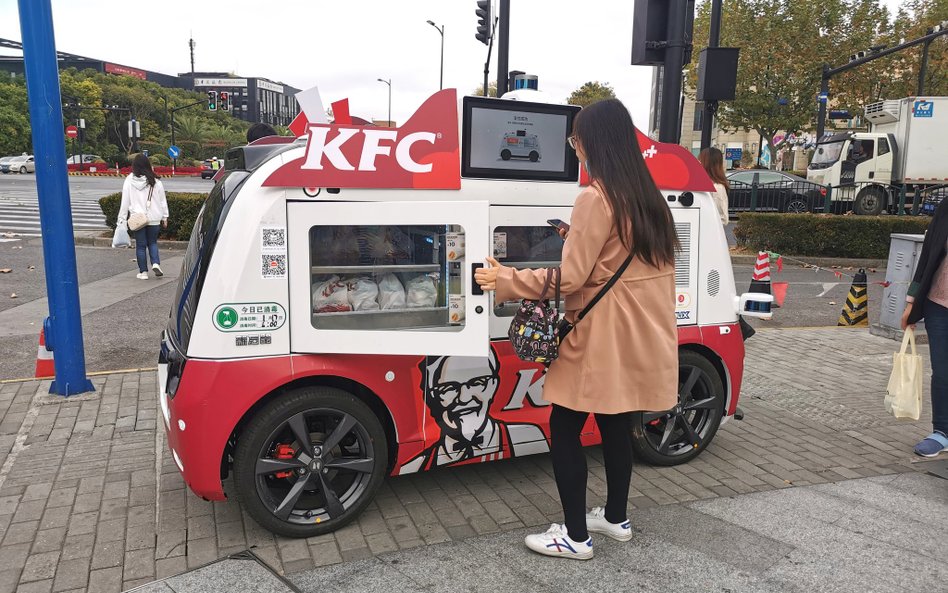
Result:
x=506 y=139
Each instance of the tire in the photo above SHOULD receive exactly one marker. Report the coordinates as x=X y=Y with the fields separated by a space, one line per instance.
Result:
x=271 y=437
x=22 y=170
x=505 y=154
x=699 y=412
x=796 y=204
x=534 y=156
x=869 y=202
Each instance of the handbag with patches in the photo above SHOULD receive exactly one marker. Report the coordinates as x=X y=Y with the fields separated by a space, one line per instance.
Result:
x=534 y=332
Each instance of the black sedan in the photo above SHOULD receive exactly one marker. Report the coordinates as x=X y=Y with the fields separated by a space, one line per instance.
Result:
x=775 y=191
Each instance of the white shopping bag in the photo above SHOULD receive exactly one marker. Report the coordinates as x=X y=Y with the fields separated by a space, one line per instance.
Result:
x=121 y=238
x=903 y=396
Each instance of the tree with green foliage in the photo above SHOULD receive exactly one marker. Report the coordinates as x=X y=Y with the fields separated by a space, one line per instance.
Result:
x=591 y=92
x=491 y=89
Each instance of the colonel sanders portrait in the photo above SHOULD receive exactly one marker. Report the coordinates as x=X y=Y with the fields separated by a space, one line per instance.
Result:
x=458 y=392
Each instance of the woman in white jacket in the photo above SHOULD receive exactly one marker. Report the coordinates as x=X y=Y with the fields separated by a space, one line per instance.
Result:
x=143 y=192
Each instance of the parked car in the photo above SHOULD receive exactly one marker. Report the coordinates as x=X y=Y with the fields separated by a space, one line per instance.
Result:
x=4 y=160
x=19 y=164
x=86 y=158
x=776 y=191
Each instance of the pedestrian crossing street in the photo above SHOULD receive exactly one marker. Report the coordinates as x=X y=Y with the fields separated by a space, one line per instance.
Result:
x=19 y=215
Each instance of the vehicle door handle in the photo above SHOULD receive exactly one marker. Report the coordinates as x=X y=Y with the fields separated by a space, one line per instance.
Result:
x=475 y=287
x=872 y=174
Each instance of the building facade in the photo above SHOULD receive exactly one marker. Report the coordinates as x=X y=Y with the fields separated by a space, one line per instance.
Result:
x=251 y=99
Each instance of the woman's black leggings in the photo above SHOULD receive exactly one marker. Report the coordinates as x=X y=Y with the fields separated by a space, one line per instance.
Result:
x=569 y=465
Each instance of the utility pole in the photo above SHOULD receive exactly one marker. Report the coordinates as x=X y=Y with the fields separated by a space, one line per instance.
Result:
x=440 y=30
x=490 y=48
x=922 y=69
x=174 y=162
x=670 y=126
x=389 y=83
x=191 y=45
x=503 y=48
x=63 y=327
x=711 y=107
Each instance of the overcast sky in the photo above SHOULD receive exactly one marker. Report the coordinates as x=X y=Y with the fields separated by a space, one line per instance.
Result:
x=344 y=47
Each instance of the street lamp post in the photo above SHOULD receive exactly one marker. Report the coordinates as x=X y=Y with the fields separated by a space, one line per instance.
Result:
x=440 y=30
x=389 y=83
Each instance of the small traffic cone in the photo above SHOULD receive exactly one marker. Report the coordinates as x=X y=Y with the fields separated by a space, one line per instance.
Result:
x=760 y=281
x=44 y=359
x=855 y=312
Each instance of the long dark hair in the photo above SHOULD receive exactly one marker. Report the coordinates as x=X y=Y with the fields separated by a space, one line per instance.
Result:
x=141 y=167
x=713 y=162
x=614 y=160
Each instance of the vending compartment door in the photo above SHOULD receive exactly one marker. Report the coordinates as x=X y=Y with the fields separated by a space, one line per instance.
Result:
x=356 y=248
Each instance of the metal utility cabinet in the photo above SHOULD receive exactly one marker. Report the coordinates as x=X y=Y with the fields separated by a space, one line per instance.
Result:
x=904 y=251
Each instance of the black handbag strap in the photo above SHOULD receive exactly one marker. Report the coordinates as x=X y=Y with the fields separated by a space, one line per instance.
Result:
x=602 y=291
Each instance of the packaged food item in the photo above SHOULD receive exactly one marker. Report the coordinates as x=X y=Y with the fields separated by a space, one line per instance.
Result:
x=391 y=292
x=331 y=296
x=363 y=293
x=386 y=245
x=422 y=291
x=334 y=246
x=454 y=244
x=456 y=308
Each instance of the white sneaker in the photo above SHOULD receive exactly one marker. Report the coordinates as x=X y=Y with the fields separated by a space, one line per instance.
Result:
x=556 y=542
x=157 y=270
x=142 y=276
x=596 y=522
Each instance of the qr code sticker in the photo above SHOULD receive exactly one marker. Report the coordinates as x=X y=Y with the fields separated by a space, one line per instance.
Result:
x=273 y=265
x=273 y=238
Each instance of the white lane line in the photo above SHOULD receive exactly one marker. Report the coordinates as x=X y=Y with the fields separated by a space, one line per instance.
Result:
x=827 y=286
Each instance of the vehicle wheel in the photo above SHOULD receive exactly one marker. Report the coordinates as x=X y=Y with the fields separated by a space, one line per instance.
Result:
x=505 y=154
x=869 y=202
x=534 y=156
x=681 y=434
x=796 y=204
x=23 y=170
x=310 y=461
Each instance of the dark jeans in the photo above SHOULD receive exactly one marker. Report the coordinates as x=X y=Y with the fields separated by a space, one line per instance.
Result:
x=147 y=235
x=936 y=325
x=569 y=465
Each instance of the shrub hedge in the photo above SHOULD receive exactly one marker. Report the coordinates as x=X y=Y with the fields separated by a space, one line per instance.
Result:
x=183 y=209
x=825 y=235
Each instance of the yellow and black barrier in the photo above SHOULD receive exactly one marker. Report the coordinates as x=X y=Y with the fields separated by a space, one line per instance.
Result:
x=855 y=312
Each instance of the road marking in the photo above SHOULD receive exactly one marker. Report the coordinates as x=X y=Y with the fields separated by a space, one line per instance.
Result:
x=828 y=286
x=19 y=444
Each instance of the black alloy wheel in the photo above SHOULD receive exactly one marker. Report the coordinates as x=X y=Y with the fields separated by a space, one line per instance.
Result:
x=682 y=433
x=797 y=204
x=505 y=154
x=310 y=461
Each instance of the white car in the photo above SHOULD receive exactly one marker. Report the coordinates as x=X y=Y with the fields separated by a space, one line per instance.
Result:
x=519 y=144
x=19 y=164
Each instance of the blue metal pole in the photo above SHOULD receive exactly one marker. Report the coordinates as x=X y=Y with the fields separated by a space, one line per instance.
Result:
x=64 y=324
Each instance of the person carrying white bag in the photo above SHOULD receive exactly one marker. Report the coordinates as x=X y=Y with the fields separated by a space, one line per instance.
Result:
x=928 y=299
x=903 y=396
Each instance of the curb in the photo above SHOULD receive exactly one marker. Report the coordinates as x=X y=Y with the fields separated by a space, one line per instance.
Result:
x=823 y=262
x=94 y=241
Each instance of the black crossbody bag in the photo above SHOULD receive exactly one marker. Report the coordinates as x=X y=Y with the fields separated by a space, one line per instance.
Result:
x=565 y=327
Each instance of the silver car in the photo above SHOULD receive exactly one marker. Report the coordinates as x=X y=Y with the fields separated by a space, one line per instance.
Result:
x=19 y=164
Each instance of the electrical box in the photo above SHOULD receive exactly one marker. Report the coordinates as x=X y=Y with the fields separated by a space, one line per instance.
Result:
x=904 y=251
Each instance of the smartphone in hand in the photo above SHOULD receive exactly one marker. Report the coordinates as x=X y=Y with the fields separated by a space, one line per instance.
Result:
x=558 y=224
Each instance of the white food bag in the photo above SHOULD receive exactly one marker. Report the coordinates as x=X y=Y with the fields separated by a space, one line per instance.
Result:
x=903 y=396
x=331 y=296
x=121 y=238
x=363 y=294
x=391 y=292
x=422 y=291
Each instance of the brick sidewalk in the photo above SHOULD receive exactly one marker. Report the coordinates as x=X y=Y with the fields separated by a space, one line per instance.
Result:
x=78 y=487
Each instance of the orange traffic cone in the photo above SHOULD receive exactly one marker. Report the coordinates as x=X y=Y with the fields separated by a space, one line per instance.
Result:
x=760 y=282
x=44 y=359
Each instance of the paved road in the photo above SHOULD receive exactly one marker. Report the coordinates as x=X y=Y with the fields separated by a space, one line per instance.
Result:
x=19 y=203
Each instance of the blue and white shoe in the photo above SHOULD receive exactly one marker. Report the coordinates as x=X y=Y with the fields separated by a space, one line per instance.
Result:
x=555 y=541
x=596 y=522
x=932 y=445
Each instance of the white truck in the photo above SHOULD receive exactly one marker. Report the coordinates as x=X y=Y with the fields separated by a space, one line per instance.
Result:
x=904 y=149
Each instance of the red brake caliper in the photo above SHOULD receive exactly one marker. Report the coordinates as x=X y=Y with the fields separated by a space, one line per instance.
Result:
x=284 y=452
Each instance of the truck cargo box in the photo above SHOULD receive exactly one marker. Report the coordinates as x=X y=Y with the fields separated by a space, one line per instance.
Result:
x=920 y=126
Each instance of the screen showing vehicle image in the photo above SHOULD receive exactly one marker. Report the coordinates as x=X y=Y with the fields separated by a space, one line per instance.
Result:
x=514 y=140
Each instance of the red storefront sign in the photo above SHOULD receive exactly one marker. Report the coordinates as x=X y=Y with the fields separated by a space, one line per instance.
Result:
x=125 y=71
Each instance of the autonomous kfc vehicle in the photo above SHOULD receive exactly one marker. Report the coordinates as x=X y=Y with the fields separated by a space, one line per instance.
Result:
x=326 y=331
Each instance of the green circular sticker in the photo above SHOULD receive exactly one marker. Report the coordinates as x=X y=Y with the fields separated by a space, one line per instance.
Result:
x=227 y=317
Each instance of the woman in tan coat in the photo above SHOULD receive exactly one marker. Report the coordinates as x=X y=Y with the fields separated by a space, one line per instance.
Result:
x=623 y=356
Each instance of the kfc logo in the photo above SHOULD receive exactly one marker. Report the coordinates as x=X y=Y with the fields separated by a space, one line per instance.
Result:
x=423 y=153
x=459 y=391
x=319 y=148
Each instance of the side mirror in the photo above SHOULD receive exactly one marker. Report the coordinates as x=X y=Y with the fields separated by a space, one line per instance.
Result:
x=755 y=304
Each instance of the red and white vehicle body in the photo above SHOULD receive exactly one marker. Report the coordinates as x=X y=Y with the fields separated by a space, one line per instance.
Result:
x=258 y=364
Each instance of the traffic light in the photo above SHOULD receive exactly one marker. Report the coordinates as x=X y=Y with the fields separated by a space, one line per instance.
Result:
x=212 y=100
x=224 y=98
x=483 y=21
